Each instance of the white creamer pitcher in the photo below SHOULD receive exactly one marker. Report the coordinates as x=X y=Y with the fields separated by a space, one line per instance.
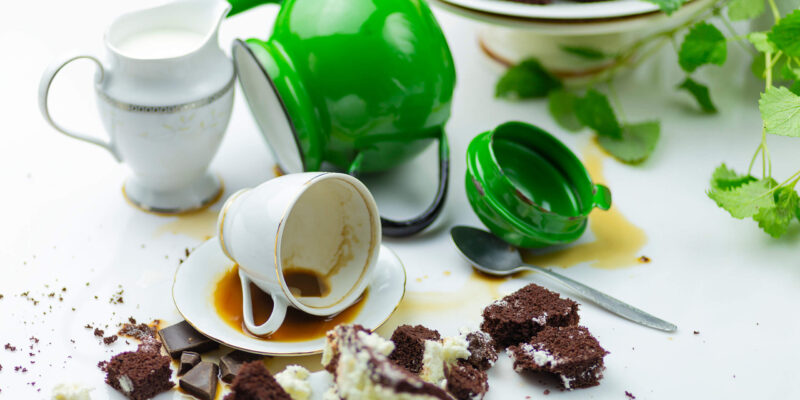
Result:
x=165 y=93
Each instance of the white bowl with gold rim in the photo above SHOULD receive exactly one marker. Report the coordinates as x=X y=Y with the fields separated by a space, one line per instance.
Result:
x=197 y=279
x=517 y=31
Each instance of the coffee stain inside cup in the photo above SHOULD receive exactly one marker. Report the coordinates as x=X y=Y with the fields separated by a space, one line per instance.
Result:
x=200 y=225
x=617 y=242
x=297 y=327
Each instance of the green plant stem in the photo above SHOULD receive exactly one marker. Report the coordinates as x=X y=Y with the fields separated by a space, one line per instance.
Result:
x=734 y=35
x=775 y=13
x=622 y=59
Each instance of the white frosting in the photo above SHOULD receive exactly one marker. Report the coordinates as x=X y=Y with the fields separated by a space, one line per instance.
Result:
x=294 y=380
x=125 y=384
x=566 y=381
x=540 y=357
x=439 y=354
x=541 y=320
x=71 y=391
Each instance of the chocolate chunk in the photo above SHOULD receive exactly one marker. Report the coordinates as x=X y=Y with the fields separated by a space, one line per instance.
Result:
x=182 y=337
x=201 y=381
x=231 y=363
x=188 y=360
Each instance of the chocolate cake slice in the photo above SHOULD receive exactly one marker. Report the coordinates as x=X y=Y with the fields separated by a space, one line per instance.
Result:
x=571 y=353
x=254 y=382
x=139 y=375
x=361 y=368
x=521 y=315
x=409 y=346
x=465 y=381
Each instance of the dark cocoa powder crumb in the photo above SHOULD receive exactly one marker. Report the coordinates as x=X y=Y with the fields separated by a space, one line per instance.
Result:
x=110 y=339
x=1 y=367
x=88 y=326
x=9 y=347
x=132 y=320
x=33 y=339
x=1 y=296
x=546 y=392
x=629 y=395
x=98 y=332
x=696 y=332
x=52 y=294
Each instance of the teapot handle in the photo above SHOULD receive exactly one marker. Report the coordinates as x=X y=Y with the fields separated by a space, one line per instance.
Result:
x=414 y=225
x=44 y=90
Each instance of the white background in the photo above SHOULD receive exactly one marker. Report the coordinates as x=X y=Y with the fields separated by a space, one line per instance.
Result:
x=65 y=223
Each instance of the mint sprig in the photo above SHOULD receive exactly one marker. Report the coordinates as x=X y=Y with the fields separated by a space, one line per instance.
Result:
x=700 y=93
x=704 y=44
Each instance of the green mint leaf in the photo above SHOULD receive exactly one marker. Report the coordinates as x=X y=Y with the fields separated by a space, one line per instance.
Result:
x=761 y=42
x=636 y=144
x=780 y=110
x=775 y=220
x=594 y=111
x=739 y=10
x=562 y=107
x=785 y=34
x=585 y=52
x=795 y=88
x=724 y=178
x=744 y=201
x=704 y=44
x=700 y=93
x=526 y=80
x=668 y=6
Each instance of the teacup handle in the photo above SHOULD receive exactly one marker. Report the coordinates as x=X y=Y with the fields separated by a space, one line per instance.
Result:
x=275 y=320
x=414 y=225
x=601 y=197
x=44 y=89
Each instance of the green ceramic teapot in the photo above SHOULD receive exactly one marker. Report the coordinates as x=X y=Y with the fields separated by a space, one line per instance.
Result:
x=356 y=85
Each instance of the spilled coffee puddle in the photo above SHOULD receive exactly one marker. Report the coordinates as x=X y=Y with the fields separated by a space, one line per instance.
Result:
x=297 y=327
x=465 y=303
x=617 y=241
x=200 y=225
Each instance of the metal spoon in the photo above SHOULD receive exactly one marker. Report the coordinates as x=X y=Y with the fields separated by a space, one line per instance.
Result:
x=492 y=255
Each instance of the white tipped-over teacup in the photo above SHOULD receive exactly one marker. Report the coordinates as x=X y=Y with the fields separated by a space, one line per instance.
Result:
x=324 y=222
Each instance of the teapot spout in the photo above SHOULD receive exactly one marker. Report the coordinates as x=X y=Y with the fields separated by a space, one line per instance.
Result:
x=238 y=6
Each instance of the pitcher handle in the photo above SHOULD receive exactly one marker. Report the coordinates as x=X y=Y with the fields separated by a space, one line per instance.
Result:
x=44 y=90
x=601 y=197
x=275 y=320
x=414 y=225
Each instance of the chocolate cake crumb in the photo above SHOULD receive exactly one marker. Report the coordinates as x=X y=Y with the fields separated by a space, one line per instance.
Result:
x=519 y=316
x=110 y=339
x=254 y=382
x=644 y=259
x=409 y=346
x=9 y=347
x=99 y=332
x=88 y=326
x=132 y=320
x=571 y=353
x=481 y=348
x=546 y=392
x=629 y=395
x=696 y=332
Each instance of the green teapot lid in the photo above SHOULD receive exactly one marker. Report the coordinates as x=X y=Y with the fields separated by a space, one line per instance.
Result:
x=528 y=188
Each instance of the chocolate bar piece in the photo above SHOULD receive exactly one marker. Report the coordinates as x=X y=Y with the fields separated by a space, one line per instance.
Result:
x=188 y=360
x=182 y=337
x=231 y=363
x=201 y=381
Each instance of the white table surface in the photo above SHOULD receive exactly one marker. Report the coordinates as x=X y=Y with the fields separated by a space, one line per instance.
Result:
x=65 y=223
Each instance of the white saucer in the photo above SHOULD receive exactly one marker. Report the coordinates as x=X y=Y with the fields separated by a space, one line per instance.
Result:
x=196 y=278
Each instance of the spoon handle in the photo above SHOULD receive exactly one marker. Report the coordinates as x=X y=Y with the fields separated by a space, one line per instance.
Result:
x=609 y=303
